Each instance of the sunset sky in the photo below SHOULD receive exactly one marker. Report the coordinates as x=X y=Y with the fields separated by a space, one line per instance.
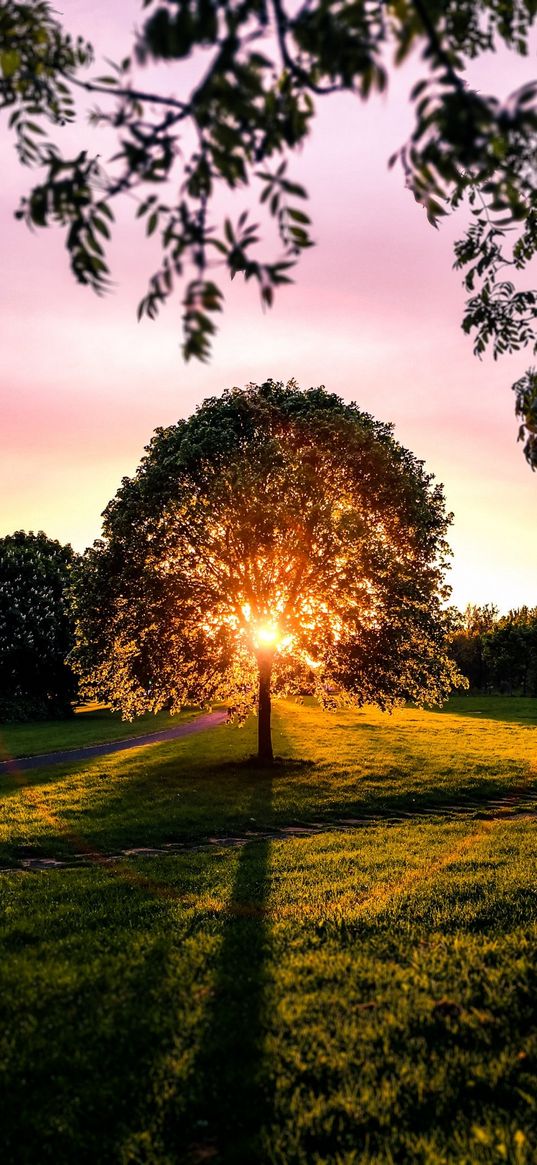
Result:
x=374 y=316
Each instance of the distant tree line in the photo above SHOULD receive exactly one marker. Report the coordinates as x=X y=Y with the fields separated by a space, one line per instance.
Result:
x=498 y=653
x=36 y=628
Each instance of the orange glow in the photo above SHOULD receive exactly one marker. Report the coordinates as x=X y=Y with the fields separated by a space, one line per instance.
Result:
x=267 y=635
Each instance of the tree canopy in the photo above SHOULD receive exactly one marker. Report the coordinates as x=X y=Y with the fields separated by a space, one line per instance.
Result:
x=36 y=627
x=263 y=67
x=278 y=540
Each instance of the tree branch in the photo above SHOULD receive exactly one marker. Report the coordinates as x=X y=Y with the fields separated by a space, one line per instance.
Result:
x=437 y=47
x=301 y=74
x=129 y=94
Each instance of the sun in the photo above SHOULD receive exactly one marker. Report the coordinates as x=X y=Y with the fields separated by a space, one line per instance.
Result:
x=267 y=635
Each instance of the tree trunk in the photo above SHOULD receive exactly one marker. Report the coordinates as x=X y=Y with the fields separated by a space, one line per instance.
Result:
x=264 y=737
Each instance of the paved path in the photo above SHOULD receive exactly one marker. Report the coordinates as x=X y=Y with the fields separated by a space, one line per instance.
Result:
x=44 y=759
x=521 y=806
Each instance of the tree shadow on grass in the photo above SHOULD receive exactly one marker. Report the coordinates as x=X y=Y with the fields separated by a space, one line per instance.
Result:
x=305 y=794
x=88 y=1019
x=519 y=710
x=231 y=1102
x=186 y=797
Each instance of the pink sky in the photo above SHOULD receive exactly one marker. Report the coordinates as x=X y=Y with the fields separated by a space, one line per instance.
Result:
x=374 y=315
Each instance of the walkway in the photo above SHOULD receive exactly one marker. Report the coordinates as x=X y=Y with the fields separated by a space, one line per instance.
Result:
x=45 y=759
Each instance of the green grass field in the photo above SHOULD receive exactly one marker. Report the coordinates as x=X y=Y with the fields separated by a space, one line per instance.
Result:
x=90 y=725
x=357 y=998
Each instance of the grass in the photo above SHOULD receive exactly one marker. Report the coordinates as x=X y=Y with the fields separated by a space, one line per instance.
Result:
x=342 y=764
x=365 y=998
x=512 y=709
x=92 y=724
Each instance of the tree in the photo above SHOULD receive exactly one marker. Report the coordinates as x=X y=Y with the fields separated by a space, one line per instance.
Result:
x=510 y=652
x=36 y=627
x=277 y=541
x=497 y=653
x=263 y=67
x=467 y=642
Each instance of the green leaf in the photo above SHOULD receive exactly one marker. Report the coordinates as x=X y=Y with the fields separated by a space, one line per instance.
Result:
x=298 y=215
x=152 y=223
x=100 y=226
x=10 y=60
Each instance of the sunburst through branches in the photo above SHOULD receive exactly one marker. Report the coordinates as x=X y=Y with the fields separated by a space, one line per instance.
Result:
x=279 y=541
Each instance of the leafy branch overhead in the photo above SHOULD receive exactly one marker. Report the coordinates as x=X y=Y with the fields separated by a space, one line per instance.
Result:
x=262 y=67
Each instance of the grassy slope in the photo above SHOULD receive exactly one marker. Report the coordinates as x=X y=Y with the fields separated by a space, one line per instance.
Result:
x=338 y=765
x=515 y=709
x=89 y=725
x=93 y=724
x=355 y=999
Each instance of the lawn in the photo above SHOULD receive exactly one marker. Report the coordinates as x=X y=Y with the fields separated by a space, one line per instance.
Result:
x=365 y=997
x=89 y=725
x=337 y=765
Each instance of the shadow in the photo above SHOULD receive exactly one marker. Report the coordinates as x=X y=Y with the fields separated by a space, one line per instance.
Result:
x=521 y=710
x=232 y=800
x=231 y=1103
x=174 y=796
x=87 y=1022
x=12 y=782
x=251 y=763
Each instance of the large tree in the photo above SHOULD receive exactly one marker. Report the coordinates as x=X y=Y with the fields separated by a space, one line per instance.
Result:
x=263 y=66
x=278 y=540
x=36 y=627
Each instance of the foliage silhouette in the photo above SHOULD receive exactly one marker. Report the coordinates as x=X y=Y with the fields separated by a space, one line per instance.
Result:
x=36 y=627
x=498 y=653
x=265 y=65
x=279 y=540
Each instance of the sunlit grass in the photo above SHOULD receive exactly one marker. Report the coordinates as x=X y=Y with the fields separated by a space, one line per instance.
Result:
x=338 y=764
x=89 y=725
x=365 y=998
x=369 y=998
